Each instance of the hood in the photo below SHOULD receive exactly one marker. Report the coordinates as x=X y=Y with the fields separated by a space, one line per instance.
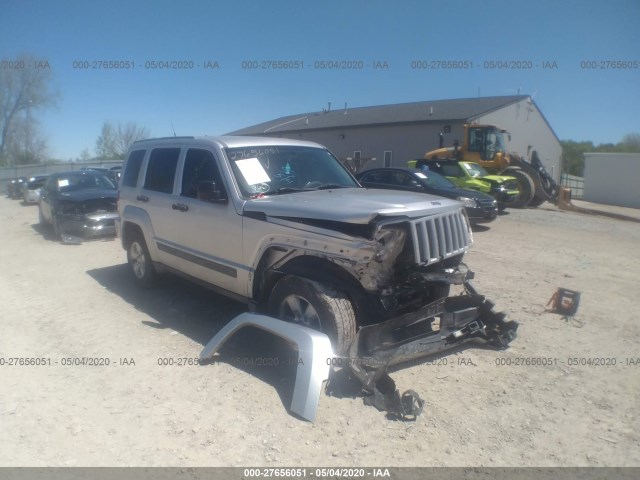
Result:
x=463 y=192
x=497 y=178
x=82 y=195
x=349 y=205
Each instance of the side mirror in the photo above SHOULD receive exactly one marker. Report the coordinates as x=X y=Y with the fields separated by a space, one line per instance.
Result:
x=208 y=192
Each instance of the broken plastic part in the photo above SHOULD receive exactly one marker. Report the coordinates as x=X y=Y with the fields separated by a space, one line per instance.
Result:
x=314 y=351
x=411 y=336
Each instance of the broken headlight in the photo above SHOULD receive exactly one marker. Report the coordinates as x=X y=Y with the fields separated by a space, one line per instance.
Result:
x=389 y=243
x=468 y=202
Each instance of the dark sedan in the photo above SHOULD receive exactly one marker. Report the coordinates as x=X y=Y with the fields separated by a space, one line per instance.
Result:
x=481 y=208
x=78 y=205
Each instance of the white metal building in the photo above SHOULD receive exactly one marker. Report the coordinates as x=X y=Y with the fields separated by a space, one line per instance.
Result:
x=396 y=133
x=612 y=178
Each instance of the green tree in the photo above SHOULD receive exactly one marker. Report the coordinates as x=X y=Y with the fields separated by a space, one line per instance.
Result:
x=573 y=152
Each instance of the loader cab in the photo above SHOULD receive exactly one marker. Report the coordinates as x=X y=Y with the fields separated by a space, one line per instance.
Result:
x=486 y=141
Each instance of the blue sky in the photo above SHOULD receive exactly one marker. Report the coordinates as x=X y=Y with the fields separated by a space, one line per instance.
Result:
x=581 y=104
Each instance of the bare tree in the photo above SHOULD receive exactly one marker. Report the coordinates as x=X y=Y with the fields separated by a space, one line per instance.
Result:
x=106 y=142
x=85 y=155
x=114 y=142
x=25 y=143
x=23 y=89
x=127 y=134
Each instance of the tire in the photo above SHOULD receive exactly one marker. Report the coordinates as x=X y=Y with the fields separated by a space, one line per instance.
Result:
x=57 y=234
x=317 y=306
x=536 y=202
x=140 y=263
x=525 y=185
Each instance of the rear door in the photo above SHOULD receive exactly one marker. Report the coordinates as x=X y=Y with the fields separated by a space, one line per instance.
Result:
x=156 y=197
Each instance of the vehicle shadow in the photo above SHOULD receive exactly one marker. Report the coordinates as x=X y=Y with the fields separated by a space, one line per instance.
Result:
x=46 y=232
x=198 y=314
x=479 y=228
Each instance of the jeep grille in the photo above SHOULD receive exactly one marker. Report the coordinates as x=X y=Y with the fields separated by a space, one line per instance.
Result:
x=440 y=236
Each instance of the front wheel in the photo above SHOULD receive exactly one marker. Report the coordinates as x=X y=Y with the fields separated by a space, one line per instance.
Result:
x=317 y=306
x=140 y=262
x=55 y=225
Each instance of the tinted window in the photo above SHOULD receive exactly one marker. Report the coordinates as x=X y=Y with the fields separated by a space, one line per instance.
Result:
x=377 y=176
x=452 y=170
x=403 y=179
x=162 y=169
x=130 y=177
x=199 y=166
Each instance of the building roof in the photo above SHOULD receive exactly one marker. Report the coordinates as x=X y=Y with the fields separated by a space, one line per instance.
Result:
x=460 y=109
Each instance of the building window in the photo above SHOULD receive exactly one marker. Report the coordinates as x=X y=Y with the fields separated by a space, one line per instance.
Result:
x=387 y=158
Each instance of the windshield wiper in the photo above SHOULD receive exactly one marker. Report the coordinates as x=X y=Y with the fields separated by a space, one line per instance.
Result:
x=284 y=190
x=327 y=186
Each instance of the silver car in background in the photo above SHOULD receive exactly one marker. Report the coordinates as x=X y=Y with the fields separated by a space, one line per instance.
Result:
x=30 y=189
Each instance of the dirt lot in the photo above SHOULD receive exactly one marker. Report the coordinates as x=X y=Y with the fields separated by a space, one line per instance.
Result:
x=484 y=407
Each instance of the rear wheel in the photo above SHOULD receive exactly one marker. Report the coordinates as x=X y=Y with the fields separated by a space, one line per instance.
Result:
x=317 y=306
x=140 y=262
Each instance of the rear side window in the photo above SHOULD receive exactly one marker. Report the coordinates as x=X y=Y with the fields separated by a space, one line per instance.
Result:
x=377 y=177
x=130 y=176
x=162 y=169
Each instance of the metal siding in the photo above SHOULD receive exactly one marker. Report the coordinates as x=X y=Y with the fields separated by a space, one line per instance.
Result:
x=612 y=179
x=410 y=141
x=407 y=142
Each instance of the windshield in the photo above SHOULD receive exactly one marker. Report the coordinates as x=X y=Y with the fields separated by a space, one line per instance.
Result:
x=84 y=181
x=433 y=179
x=475 y=170
x=494 y=143
x=280 y=169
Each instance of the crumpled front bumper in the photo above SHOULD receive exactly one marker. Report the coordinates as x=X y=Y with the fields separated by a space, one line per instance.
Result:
x=438 y=326
x=88 y=225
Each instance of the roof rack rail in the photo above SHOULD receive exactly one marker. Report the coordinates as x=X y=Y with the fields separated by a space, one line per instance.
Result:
x=166 y=138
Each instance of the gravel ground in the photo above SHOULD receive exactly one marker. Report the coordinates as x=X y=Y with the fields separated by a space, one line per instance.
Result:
x=566 y=393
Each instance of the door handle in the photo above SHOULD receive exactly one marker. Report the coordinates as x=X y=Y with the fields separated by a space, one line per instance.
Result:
x=180 y=206
x=142 y=198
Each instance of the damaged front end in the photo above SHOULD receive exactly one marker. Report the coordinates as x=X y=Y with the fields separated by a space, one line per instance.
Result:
x=446 y=323
x=80 y=220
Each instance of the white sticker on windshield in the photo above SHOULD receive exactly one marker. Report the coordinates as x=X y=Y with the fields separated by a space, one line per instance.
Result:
x=63 y=182
x=421 y=175
x=252 y=171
